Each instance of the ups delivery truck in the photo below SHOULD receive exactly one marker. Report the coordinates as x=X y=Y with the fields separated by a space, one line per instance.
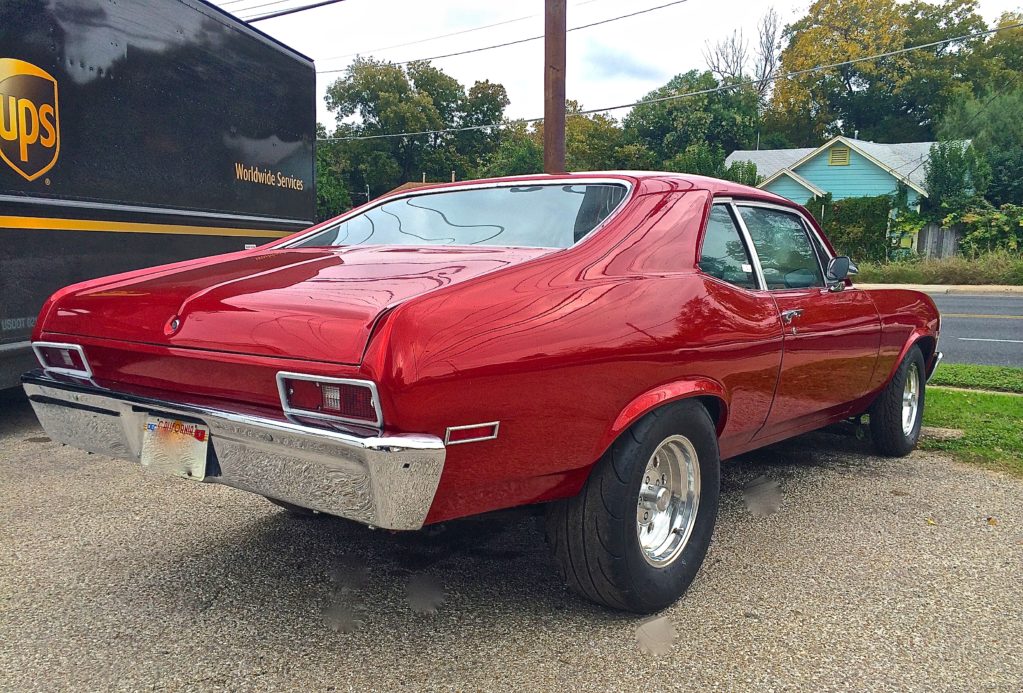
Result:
x=139 y=133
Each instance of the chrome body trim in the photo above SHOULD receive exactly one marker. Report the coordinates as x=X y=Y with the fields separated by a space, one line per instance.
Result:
x=937 y=360
x=383 y=480
x=74 y=372
x=447 y=433
x=290 y=411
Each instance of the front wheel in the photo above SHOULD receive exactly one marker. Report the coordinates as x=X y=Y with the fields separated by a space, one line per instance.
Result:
x=636 y=535
x=897 y=414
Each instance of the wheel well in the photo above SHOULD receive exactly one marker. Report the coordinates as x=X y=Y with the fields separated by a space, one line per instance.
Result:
x=715 y=408
x=927 y=346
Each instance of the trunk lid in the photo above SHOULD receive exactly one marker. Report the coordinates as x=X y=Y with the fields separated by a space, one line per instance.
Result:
x=316 y=303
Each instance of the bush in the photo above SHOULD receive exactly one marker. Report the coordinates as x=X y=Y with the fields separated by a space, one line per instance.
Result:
x=988 y=228
x=999 y=267
x=856 y=226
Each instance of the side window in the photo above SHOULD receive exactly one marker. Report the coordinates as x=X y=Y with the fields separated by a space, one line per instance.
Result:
x=724 y=254
x=786 y=255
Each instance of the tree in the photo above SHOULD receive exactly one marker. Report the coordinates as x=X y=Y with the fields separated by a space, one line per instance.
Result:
x=374 y=98
x=956 y=177
x=721 y=121
x=992 y=123
x=332 y=196
x=897 y=98
x=518 y=153
x=730 y=58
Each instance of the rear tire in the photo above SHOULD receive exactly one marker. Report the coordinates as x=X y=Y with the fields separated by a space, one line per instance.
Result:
x=607 y=551
x=897 y=413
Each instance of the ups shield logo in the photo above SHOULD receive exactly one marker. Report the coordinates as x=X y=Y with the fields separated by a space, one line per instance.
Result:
x=29 y=118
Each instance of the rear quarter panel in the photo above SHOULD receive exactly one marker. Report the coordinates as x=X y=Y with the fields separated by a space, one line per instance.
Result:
x=558 y=348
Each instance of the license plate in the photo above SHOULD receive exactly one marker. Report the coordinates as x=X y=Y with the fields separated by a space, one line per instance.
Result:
x=174 y=447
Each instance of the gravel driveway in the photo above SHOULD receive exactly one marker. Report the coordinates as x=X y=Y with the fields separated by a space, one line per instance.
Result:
x=874 y=574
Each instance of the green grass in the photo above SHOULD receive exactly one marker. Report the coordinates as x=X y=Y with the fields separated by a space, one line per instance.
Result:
x=991 y=268
x=1001 y=378
x=993 y=426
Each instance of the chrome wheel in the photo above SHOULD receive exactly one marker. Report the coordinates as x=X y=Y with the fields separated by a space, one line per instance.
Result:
x=910 y=399
x=669 y=497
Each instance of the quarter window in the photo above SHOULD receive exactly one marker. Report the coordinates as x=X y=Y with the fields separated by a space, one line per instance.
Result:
x=724 y=254
x=786 y=255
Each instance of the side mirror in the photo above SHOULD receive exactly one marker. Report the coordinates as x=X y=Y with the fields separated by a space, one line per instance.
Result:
x=839 y=269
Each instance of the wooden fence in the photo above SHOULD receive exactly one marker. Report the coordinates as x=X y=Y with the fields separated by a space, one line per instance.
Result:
x=937 y=241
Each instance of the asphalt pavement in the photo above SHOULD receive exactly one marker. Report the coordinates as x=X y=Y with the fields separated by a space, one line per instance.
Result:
x=982 y=328
x=874 y=574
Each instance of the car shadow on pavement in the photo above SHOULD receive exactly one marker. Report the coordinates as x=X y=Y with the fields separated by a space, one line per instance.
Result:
x=321 y=574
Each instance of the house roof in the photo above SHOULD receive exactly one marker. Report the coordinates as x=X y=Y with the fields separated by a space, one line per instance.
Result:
x=769 y=161
x=904 y=160
x=797 y=178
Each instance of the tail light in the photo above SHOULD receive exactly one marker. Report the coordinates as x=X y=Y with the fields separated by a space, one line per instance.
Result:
x=68 y=359
x=332 y=399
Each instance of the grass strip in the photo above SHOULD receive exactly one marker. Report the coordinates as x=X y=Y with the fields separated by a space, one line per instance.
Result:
x=992 y=426
x=1000 y=378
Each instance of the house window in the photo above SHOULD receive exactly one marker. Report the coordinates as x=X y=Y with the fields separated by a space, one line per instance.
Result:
x=838 y=156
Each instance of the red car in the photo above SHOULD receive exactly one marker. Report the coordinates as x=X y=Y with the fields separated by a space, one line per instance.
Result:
x=597 y=342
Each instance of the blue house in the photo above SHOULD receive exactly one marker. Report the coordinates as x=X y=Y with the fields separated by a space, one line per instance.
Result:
x=844 y=167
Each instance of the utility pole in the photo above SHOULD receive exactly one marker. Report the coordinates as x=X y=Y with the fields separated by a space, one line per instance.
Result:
x=554 y=87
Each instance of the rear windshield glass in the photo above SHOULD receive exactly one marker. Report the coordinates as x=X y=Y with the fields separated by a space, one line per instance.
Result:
x=539 y=216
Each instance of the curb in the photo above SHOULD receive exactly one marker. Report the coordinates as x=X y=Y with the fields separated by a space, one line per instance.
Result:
x=950 y=288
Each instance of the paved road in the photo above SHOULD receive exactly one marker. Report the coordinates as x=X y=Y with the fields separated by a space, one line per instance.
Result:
x=982 y=328
x=874 y=575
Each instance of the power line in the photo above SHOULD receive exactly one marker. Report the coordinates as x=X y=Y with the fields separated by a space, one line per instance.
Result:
x=293 y=10
x=700 y=92
x=523 y=40
x=440 y=36
x=256 y=7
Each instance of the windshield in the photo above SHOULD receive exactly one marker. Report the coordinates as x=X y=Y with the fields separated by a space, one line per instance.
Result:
x=538 y=216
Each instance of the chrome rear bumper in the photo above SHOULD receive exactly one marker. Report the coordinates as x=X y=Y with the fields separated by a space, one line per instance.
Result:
x=384 y=481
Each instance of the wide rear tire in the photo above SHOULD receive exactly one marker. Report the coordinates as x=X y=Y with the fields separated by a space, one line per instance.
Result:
x=896 y=416
x=614 y=542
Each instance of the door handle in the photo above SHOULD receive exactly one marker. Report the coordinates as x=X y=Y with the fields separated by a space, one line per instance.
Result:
x=787 y=316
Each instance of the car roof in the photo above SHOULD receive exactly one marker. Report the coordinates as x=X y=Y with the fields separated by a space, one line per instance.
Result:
x=650 y=181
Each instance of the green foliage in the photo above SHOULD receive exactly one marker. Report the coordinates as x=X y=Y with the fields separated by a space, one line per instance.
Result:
x=894 y=99
x=744 y=172
x=992 y=121
x=856 y=226
x=332 y=196
x=518 y=153
x=990 y=268
x=988 y=228
x=973 y=377
x=387 y=98
x=956 y=176
x=719 y=122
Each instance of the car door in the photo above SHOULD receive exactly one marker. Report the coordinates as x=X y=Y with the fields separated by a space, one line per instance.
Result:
x=740 y=341
x=830 y=337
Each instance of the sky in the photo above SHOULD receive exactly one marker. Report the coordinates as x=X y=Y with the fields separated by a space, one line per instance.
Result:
x=614 y=63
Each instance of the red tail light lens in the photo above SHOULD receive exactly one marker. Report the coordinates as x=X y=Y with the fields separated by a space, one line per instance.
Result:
x=63 y=358
x=330 y=398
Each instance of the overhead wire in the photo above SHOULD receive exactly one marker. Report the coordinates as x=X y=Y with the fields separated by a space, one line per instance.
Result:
x=441 y=36
x=699 y=92
x=522 y=40
x=292 y=10
x=256 y=7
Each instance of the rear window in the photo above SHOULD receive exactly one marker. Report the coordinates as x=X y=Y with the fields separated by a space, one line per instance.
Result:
x=538 y=216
